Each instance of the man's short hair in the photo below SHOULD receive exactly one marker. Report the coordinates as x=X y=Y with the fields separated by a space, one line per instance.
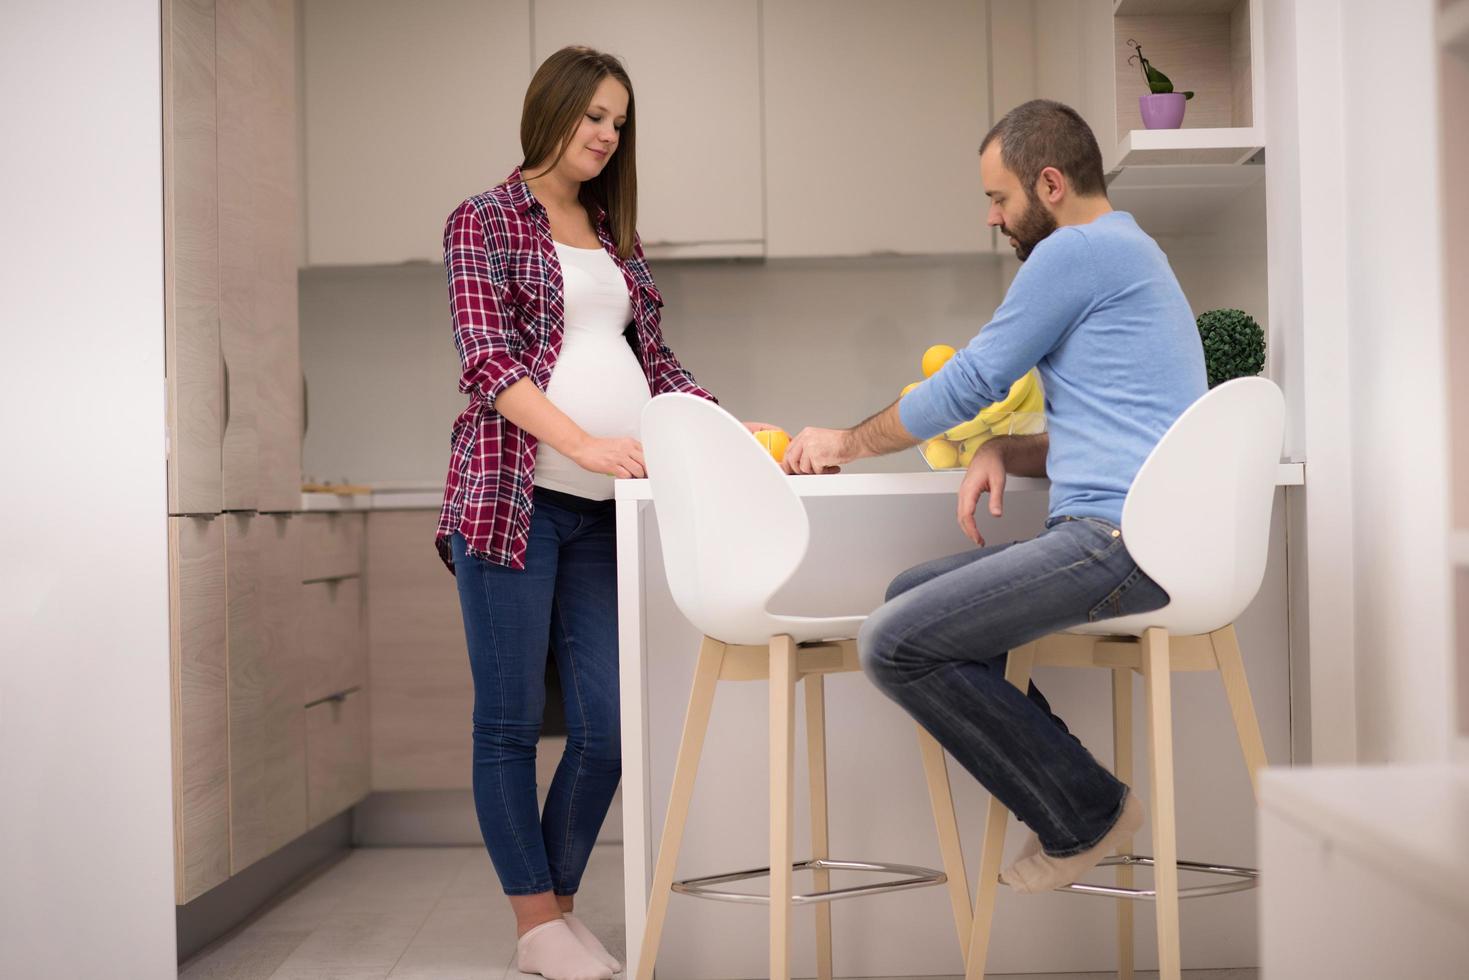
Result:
x=1040 y=134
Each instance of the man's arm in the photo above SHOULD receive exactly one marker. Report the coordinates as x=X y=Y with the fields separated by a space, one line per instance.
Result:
x=824 y=450
x=1024 y=455
x=1000 y=457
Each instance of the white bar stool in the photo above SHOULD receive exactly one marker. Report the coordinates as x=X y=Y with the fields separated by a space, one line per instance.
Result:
x=1196 y=520
x=733 y=532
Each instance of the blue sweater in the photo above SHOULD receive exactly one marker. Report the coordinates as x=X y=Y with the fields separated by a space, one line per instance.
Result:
x=1097 y=310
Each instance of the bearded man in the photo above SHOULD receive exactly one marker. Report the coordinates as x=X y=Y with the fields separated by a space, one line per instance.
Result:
x=1096 y=309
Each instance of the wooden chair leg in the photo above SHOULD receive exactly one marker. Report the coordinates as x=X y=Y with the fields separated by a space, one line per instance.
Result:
x=941 y=798
x=782 y=757
x=1157 y=681
x=690 y=748
x=1017 y=672
x=820 y=827
x=1122 y=768
x=1241 y=705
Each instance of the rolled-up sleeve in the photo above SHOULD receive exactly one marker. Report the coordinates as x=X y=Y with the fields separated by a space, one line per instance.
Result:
x=484 y=333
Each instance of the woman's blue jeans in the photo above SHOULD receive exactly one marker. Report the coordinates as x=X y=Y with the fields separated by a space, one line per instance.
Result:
x=565 y=601
x=938 y=647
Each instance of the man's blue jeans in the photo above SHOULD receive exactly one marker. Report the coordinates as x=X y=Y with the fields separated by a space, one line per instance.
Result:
x=565 y=601
x=938 y=647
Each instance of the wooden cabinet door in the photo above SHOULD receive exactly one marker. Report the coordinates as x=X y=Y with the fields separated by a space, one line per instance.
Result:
x=335 y=657
x=332 y=544
x=337 y=756
x=874 y=111
x=410 y=109
x=259 y=335
x=267 y=722
x=198 y=645
x=695 y=69
x=191 y=259
x=422 y=691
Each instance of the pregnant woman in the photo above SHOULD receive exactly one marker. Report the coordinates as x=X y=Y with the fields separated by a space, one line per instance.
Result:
x=556 y=320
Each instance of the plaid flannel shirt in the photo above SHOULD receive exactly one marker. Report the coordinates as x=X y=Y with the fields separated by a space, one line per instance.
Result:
x=506 y=299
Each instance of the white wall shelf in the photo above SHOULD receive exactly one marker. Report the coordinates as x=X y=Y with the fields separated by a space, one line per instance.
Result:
x=1211 y=47
x=1138 y=8
x=1189 y=147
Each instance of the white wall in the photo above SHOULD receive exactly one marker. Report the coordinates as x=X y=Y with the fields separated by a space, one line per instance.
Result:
x=86 y=835
x=1357 y=287
x=1399 y=418
x=793 y=343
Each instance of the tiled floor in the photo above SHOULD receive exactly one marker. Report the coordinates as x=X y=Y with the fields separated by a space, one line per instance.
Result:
x=428 y=914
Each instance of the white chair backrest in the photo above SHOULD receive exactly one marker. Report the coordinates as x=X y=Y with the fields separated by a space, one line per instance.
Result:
x=733 y=530
x=1197 y=518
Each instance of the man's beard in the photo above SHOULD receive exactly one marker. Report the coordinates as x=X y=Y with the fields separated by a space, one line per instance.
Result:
x=1032 y=228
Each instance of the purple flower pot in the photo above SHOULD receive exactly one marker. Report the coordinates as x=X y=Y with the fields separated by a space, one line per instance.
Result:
x=1162 y=111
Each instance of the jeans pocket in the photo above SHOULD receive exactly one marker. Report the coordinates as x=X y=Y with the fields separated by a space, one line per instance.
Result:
x=1137 y=593
x=1096 y=537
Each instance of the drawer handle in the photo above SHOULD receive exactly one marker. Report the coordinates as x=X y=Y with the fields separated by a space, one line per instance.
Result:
x=338 y=697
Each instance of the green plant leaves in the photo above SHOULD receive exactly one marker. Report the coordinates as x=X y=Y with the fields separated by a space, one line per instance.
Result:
x=1234 y=345
x=1158 y=83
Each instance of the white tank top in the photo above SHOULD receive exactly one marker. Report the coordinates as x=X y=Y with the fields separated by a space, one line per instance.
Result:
x=597 y=380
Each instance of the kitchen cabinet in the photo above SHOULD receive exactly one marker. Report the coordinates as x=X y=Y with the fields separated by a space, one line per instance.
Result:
x=422 y=691
x=409 y=109
x=865 y=152
x=267 y=734
x=335 y=660
x=191 y=259
x=337 y=774
x=259 y=335
x=197 y=626
x=332 y=545
x=695 y=69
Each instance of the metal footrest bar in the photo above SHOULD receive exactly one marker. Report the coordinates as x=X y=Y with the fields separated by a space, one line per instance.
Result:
x=1245 y=879
x=916 y=878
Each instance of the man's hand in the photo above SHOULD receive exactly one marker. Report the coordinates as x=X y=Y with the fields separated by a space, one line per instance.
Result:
x=986 y=472
x=759 y=426
x=820 y=451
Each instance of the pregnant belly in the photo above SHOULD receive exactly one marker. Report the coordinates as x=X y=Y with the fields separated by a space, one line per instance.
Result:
x=601 y=387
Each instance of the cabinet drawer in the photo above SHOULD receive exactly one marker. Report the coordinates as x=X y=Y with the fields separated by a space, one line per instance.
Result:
x=334 y=655
x=331 y=546
x=336 y=756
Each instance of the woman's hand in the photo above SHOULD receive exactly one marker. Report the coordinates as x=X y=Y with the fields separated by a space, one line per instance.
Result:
x=759 y=426
x=617 y=458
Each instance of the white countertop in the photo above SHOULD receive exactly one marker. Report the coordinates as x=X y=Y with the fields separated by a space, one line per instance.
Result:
x=389 y=497
x=1410 y=822
x=418 y=496
x=882 y=484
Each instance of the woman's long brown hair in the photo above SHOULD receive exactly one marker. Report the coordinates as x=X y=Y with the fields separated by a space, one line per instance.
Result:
x=555 y=102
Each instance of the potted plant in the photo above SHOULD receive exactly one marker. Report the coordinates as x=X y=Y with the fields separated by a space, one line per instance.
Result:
x=1163 y=107
x=1234 y=345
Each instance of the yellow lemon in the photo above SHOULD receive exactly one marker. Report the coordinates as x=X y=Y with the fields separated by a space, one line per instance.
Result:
x=775 y=442
x=908 y=388
x=936 y=357
x=941 y=454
